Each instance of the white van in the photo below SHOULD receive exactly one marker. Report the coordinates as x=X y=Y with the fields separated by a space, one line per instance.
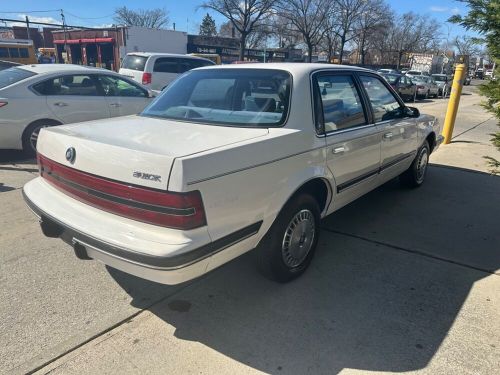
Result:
x=157 y=70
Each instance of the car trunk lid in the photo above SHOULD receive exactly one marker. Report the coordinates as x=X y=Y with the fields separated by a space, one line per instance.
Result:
x=135 y=149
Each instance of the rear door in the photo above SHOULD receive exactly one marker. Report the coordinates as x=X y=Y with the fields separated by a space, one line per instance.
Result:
x=399 y=132
x=165 y=70
x=74 y=97
x=123 y=97
x=353 y=144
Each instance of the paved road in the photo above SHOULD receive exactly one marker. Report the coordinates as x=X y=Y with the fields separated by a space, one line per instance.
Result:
x=403 y=281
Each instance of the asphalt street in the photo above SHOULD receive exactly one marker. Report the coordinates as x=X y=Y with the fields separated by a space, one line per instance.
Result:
x=404 y=280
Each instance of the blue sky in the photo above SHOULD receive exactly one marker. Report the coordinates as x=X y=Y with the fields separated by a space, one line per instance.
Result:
x=185 y=13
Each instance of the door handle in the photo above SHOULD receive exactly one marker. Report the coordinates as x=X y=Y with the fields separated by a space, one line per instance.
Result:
x=388 y=135
x=338 y=150
x=61 y=104
x=115 y=105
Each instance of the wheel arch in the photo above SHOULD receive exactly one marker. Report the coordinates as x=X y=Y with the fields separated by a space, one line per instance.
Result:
x=50 y=121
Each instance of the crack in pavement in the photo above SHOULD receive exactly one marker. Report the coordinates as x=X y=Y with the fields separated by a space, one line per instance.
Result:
x=412 y=251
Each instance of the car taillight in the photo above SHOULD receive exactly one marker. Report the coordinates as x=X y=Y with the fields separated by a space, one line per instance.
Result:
x=158 y=207
x=146 y=78
x=3 y=104
x=420 y=87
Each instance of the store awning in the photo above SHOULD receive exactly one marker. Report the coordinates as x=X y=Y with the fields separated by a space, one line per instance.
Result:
x=84 y=40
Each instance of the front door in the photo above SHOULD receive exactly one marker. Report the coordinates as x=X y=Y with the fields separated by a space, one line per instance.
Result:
x=353 y=144
x=123 y=97
x=74 y=98
x=398 y=130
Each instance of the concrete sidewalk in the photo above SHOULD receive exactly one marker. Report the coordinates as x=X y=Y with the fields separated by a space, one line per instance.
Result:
x=403 y=281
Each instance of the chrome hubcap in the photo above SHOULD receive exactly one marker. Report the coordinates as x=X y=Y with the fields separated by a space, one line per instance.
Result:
x=34 y=136
x=298 y=238
x=422 y=164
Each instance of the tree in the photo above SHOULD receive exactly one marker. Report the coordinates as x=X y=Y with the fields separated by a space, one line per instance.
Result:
x=244 y=15
x=207 y=27
x=154 y=18
x=308 y=17
x=466 y=45
x=483 y=17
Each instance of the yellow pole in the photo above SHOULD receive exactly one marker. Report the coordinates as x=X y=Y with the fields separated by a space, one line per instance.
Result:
x=451 y=113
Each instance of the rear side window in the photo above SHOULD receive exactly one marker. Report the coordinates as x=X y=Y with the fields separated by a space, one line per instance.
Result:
x=188 y=64
x=134 y=62
x=13 y=75
x=166 y=65
x=341 y=104
x=83 y=85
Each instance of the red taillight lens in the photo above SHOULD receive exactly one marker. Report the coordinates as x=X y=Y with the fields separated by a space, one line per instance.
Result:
x=173 y=210
x=3 y=104
x=146 y=78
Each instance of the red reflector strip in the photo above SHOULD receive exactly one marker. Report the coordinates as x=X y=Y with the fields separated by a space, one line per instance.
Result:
x=174 y=210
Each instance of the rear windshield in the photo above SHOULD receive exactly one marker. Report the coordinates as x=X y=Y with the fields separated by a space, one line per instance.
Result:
x=391 y=78
x=230 y=97
x=134 y=62
x=439 y=78
x=414 y=72
x=13 y=75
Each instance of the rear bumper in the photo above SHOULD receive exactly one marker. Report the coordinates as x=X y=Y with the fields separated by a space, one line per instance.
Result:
x=177 y=263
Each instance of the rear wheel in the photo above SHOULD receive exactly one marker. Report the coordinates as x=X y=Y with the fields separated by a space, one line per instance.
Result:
x=415 y=175
x=287 y=249
x=30 y=135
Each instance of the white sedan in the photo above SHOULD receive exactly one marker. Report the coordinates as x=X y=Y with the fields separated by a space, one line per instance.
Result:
x=37 y=96
x=227 y=159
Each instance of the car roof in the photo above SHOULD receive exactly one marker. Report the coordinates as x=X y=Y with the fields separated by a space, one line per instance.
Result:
x=161 y=54
x=55 y=68
x=293 y=68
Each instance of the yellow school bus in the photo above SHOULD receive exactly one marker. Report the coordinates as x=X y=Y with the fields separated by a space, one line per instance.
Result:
x=17 y=50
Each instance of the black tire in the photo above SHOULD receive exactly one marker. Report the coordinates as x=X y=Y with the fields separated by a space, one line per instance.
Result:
x=415 y=175
x=276 y=252
x=30 y=136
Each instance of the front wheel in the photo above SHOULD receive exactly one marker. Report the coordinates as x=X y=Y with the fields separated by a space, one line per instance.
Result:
x=415 y=175
x=288 y=248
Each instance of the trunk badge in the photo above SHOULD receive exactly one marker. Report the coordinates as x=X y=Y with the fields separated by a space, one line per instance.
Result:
x=147 y=176
x=71 y=155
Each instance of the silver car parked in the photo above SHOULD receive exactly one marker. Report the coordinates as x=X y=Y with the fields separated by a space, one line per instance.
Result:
x=36 y=96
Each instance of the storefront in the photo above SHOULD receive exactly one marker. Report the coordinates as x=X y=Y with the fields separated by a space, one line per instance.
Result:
x=97 y=47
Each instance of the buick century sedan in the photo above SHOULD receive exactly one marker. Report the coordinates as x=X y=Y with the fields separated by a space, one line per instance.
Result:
x=226 y=160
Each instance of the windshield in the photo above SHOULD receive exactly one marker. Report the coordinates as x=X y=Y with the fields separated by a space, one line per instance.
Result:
x=134 y=62
x=414 y=72
x=420 y=79
x=392 y=78
x=439 y=78
x=13 y=75
x=231 y=97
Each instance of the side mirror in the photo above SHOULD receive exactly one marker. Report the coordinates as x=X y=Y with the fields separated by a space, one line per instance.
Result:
x=412 y=112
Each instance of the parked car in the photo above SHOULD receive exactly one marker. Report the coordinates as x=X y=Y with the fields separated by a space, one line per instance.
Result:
x=156 y=70
x=426 y=86
x=387 y=71
x=225 y=160
x=444 y=84
x=414 y=73
x=479 y=73
x=403 y=85
x=488 y=73
x=37 y=96
x=467 y=80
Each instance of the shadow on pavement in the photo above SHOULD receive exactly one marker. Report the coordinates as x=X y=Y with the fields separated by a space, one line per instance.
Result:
x=392 y=271
x=13 y=156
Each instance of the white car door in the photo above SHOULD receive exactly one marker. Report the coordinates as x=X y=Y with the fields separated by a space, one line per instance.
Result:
x=123 y=97
x=352 y=143
x=165 y=70
x=398 y=130
x=74 y=98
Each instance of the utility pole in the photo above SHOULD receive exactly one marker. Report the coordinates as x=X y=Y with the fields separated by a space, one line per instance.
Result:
x=65 y=36
x=28 y=27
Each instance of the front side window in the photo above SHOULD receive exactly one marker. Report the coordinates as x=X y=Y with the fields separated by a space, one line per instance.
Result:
x=341 y=104
x=188 y=64
x=166 y=65
x=83 y=85
x=384 y=104
x=230 y=97
x=114 y=86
